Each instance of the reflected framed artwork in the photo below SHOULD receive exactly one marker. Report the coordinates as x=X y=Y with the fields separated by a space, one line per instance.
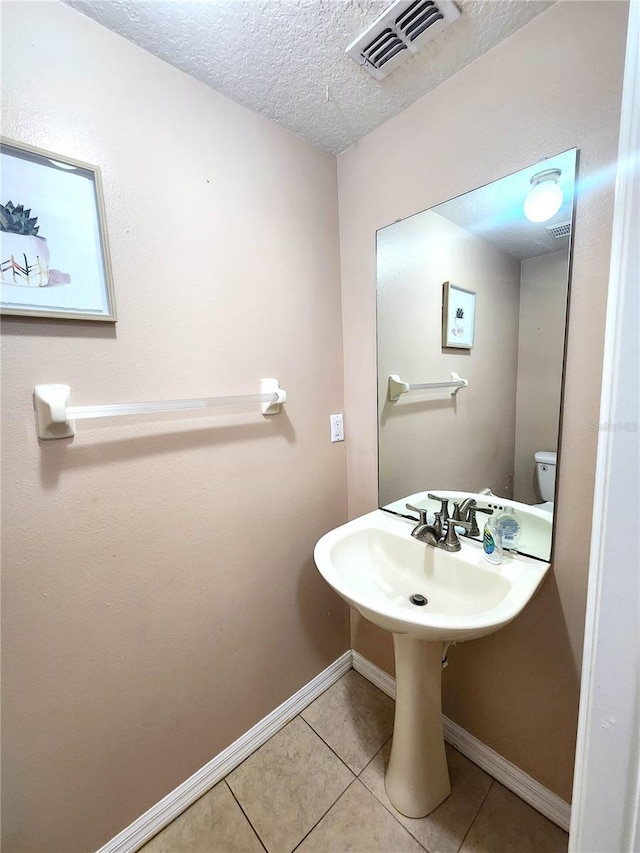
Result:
x=458 y=316
x=54 y=254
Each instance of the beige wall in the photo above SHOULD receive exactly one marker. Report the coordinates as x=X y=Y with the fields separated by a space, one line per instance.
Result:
x=159 y=592
x=543 y=306
x=553 y=85
x=429 y=439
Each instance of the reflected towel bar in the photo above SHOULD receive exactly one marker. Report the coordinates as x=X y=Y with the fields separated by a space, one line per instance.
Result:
x=55 y=419
x=398 y=387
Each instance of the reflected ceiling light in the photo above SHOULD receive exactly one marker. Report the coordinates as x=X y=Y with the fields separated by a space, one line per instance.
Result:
x=68 y=166
x=545 y=196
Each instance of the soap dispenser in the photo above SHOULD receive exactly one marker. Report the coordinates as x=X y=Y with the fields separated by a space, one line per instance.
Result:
x=510 y=526
x=492 y=542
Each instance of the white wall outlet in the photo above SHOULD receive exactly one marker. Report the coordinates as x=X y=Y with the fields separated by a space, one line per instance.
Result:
x=337 y=427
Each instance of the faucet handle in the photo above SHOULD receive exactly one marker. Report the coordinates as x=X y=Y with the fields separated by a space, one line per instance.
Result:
x=451 y=541
x=474 y=529
x=444 y=509
x=459 y=509
x=457 y=522
x=421 y=512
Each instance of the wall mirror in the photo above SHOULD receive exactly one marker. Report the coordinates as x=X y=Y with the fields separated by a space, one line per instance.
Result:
x=475 y=291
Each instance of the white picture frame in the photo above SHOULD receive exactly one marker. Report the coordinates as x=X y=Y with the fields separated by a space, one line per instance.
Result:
x=54 y=253
x=458 y=316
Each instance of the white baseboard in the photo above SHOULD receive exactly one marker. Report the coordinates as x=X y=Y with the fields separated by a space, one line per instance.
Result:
x=152 y=821
x=382 y=680
x=532 y=792
x=512 y=777
x=170 y=807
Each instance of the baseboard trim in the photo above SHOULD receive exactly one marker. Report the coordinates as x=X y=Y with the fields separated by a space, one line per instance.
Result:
x=157 y=817
x=382 y=680
x=170 y=807
x=516 y=780
x=526 y=787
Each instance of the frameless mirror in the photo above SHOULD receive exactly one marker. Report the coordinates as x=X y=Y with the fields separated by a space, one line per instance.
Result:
x=472 y=300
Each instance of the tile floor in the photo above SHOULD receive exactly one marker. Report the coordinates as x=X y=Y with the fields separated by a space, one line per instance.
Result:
x=317 y=786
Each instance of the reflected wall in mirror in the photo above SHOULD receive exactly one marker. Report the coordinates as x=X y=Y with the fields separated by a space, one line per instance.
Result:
x=483 y=437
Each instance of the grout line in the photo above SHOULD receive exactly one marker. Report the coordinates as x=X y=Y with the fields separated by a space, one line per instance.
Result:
x=247 y=759
x=396 y=814
x=475 y=817
x=392 y=811
x=246 y=816
x=355 y=779
x=328 y=809
x=353 y=773
x=374 y=756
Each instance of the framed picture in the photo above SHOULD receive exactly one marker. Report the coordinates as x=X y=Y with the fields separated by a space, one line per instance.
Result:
x=458 y=316
x=54 y=256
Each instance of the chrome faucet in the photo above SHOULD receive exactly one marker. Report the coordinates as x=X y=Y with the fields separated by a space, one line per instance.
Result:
x=464 y=513
x=461 y=510
x=432 y=534
x=424 y=532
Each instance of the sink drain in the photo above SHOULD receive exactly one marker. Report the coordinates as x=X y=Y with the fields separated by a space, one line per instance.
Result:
x=418 y=600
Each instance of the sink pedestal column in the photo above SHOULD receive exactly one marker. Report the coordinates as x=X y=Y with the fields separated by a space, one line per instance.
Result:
x=417 y=779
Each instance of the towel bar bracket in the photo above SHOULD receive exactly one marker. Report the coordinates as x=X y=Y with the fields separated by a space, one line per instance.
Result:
x=50 y=403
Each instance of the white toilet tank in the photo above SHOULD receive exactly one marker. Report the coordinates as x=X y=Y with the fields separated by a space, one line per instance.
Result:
x=546 y=473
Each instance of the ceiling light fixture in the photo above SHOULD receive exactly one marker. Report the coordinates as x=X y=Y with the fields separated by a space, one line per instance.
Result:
x=545 y=196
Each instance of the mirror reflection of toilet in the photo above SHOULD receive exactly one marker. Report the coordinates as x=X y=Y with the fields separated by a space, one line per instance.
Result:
x=546 y=477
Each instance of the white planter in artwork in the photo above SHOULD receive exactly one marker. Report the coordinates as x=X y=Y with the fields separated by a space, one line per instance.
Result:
x=24 y=260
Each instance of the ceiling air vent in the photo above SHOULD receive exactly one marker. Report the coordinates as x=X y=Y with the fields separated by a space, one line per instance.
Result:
x=405 y=27
x=560 y=229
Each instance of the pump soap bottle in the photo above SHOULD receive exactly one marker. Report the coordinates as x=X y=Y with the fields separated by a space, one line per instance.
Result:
x=510 y=526
x=492 y=542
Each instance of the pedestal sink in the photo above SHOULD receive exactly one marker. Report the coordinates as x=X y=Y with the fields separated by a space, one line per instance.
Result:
x=376 y=566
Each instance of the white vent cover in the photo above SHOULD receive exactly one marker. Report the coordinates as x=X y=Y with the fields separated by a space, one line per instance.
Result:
x=560 y=229
x=405 y=27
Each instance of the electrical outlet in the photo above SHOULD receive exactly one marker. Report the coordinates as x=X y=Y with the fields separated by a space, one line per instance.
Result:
x=337 y=427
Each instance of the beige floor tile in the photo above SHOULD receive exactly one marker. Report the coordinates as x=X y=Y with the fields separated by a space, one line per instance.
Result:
x=506 y=824
x=359 y=823
x=354 y=718
x=287 y=785
x=443 y=830
x=214 y=824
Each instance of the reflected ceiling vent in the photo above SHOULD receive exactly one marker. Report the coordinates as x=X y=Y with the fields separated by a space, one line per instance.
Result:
x=560 y=229
x=405 y=28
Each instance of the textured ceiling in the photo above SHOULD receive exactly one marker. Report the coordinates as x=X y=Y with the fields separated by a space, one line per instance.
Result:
x=286 y=59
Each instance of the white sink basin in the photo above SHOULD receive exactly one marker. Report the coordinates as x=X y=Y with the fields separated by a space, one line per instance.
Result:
x=375 y=564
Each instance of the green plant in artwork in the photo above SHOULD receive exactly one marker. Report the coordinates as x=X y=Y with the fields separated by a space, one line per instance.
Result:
x=14 y=219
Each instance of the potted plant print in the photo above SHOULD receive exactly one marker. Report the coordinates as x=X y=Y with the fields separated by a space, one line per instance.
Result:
x=25 y=256
x=458 y=326
x=24 y=259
